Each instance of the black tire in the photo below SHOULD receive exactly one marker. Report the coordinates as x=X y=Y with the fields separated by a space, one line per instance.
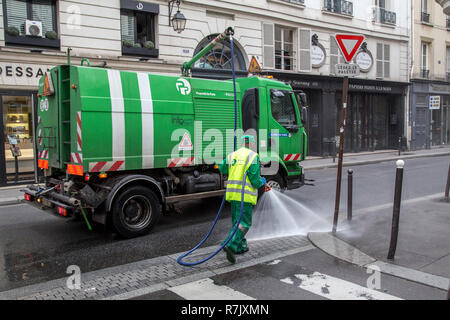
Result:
x=135 y=211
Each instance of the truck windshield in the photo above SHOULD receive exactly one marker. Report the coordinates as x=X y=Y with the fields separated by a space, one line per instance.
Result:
x=282 y=107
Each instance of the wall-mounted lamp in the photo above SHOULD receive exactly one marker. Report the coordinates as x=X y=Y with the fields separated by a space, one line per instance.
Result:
x=178 y=21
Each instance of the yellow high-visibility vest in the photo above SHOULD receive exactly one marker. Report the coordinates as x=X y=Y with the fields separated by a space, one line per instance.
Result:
x=239 y=162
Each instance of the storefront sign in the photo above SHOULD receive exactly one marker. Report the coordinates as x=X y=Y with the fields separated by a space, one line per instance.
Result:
x=364 y=60
x=370 y=88
x=435 y=102
x=439 y=87
x=302 y=84
x=17 y=74
x=318 y=55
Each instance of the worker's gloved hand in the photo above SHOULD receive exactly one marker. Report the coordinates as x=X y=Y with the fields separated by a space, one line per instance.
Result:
x=263 y=180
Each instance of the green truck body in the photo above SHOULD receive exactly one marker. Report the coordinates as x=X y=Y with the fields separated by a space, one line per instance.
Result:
x=125 y=146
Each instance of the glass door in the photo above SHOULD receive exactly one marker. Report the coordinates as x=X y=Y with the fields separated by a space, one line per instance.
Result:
x=17 y=156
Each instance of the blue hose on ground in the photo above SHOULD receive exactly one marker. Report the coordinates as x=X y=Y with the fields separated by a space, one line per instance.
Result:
x=180 y=258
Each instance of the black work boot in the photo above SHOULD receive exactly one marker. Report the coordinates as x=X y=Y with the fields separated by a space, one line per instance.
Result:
x=230 y=255
x=243 y=251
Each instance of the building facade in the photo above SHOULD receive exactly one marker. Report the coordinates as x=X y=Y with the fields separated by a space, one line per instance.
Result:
x=430 y=77
x=293 y=40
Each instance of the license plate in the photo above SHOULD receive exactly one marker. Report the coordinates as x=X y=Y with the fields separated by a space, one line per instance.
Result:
x=46 y=203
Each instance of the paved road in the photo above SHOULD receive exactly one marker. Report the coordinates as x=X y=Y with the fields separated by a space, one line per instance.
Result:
x=37 y=247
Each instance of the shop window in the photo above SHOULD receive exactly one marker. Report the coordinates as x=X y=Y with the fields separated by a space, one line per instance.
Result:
x=17 y=133
x=138 y=29
x=283 y=110
x=31 y=23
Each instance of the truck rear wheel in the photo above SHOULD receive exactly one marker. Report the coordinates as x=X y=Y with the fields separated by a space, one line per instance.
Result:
x=135 y=211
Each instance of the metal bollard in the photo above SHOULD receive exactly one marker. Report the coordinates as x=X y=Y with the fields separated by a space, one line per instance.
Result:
x=396 y=211
x=447 y=187
x=350 y=195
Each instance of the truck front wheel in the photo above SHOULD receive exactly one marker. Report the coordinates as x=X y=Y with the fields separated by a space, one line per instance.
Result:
x=276 y=182
x=135 y=211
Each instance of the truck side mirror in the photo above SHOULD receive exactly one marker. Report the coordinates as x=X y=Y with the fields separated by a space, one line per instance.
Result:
x=304 y=116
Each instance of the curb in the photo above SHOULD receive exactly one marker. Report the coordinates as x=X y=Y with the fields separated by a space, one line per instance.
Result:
x=11 y=201
x=364 y=162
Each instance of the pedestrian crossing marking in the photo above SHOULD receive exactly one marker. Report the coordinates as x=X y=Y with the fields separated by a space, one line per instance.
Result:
x=334 y=288
x=205 y=289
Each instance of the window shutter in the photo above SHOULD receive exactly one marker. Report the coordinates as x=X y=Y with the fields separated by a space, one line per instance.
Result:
x=304 y=50
x=16 y=12
x=379 y=60
x=268 y=46
x=334 y=54
x=387 y=61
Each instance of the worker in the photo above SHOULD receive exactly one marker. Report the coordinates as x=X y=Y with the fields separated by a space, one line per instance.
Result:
x=235 y=166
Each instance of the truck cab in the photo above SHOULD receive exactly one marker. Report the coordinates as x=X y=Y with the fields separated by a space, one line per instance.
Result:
x=273 y=110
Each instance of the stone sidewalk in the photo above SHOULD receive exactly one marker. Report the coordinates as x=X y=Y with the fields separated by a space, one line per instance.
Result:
x=423 y=239
x=143 y=277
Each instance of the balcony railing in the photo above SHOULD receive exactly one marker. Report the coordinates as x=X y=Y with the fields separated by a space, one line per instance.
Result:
x=339 y=6
x=382 y=15
x=424 y=73
x=425 y=17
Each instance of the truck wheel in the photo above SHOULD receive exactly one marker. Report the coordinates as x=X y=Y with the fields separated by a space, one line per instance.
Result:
x=276 y=182
x=135 y=211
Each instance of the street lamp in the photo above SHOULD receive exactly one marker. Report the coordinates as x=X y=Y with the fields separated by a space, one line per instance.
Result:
x=178 y=21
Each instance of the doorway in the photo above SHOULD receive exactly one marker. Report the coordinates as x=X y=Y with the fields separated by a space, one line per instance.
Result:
x=17 y=160
x=373 y=121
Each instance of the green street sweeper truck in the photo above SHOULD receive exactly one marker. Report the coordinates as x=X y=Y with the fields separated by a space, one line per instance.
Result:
x=121 y=147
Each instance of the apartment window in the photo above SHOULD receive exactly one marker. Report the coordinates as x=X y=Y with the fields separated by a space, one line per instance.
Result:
x=448 y=63
x=339 y=6
x=138 y=28
x=31 y=23
x=424 y=69
x=383 y=60
x=425 y=14
x=284 y=48
x=383 y=14
x=219 y=57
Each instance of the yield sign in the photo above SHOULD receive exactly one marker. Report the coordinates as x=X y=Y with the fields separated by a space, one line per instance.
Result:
x=349 y=44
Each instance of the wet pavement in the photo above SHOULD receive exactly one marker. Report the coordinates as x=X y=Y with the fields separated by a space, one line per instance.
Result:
x=37 y=247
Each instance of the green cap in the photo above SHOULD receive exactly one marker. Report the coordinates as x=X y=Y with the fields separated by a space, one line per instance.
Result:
x=247 y=139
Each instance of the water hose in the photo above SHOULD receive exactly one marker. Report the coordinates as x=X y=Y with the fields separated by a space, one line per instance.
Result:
x=180 y=258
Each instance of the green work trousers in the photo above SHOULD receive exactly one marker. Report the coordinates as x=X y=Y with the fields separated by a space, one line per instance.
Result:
x=238 y=243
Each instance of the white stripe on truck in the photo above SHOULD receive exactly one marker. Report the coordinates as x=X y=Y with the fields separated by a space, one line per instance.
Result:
x=117 y=114
x=147 y=121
